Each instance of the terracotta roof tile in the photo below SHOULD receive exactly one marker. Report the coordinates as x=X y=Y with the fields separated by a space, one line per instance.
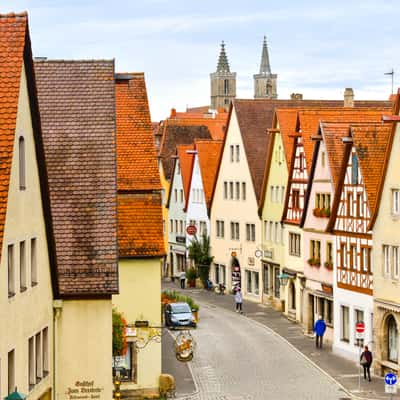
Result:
x=136 y=157
x=174 y=135
x=140 y=236
x=209 y=153
x=372 y=147
x=309 y=122
x=77 y=107
x=140 y=225
x=13 y=28
x=256 y=116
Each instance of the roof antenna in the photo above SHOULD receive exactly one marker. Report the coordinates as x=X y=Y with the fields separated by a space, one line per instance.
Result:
x=390 y=73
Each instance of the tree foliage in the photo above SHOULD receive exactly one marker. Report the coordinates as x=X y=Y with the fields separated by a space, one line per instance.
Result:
x=199 y=253
x=119 y=344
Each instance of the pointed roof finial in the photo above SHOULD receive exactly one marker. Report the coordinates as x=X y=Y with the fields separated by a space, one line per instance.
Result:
x=265 y=68
x=223 y=64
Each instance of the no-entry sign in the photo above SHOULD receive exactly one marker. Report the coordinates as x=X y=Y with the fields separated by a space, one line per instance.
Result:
x=360 y=329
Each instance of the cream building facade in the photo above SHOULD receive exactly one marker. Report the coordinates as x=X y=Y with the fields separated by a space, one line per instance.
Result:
x=235 y=223
x=386 y=260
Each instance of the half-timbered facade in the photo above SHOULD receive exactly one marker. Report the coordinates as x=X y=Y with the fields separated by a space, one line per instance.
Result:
x=354 y=204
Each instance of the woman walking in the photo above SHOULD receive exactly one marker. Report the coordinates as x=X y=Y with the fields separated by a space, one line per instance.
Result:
x=238 y=300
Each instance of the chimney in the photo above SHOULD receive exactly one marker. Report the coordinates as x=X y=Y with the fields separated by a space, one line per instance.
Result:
x=173 y=113
x=296 y=96
x=348 y=97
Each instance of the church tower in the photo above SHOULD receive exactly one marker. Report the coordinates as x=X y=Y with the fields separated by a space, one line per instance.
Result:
x=223 y=83
x=265 y=81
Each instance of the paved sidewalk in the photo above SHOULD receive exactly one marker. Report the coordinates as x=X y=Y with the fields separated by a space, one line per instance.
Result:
x=341 y=370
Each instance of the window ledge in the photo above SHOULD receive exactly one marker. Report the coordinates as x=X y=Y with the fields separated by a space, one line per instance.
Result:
x=345 y=340
x=23 y=289
x=395 y=217
x=34 y=284
x=11 y=294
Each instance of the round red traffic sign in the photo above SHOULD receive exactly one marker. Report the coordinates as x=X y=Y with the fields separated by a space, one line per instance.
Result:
x=360 y=327
x=191 y=230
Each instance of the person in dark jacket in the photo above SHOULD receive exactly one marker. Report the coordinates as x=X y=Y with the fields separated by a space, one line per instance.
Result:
x=319 y=329
x=366 y=361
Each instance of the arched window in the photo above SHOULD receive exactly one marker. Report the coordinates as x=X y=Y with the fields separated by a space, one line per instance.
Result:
x=392 y=339
x=21 y=152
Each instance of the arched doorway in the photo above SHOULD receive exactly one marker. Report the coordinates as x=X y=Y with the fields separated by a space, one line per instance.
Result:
x=292 y=295
x=392 y=339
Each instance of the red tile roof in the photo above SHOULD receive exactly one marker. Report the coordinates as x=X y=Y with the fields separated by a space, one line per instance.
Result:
x=174 y=135
x=309 y=122
x=13 y=28
x=372 y=147
x=77 y=109
x=136 y=157
x=209 y=153
x=140 y=223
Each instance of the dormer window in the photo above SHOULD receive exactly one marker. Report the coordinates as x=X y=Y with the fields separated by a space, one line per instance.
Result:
x=21 y=155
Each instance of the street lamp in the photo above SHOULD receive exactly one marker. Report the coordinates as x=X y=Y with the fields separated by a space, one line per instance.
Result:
x=283 y=279
x=15 y=396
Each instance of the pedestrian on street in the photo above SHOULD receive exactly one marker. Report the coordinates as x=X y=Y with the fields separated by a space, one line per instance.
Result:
x=182 y=278
x=319 y=329
x=366 y=361
x=238 y=300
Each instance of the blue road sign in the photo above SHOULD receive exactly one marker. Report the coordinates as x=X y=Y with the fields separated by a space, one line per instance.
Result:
x=390 y=379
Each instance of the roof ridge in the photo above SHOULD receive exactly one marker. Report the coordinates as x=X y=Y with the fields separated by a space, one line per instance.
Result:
x=22 y=14
x=60 y=60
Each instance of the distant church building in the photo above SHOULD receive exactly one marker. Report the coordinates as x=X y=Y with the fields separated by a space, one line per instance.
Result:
x=265 y=81
x=223 y=83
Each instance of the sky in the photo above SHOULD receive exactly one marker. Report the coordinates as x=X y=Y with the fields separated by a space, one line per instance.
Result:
x=317 y=48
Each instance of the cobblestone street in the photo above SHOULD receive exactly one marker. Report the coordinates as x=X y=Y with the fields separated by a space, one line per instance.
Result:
x=237 y=359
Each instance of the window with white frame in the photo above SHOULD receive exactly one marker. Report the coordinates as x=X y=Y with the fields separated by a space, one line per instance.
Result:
x=345 y=319
x=22 y=266
x=220 y=225
x=396 y=201
x=232 y=152
x=203 y=228
x=277 y=225
x=251 y=232
x=11 y=371
x=237 y=192
x=265 y=230
x=231 y=194
x=22 y=166
x=272 y=194
x=235 y=231
x=225 y=190
x=45 y=351
x=282 y=194
x=176 y=195
x=271 y=231
x=294 y=244
x=171 y=225
x=237 y=153
x=366 y=259
x=11 y=270
x=181 y=195
x=395 y=254
x=243 y=190
x=386 y=260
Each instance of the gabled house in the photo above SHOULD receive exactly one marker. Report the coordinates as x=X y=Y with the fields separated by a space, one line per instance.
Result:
x=28 y=272
x=296 y=199
x=77 y=111
x=206 y=155
x=353 y=209
x=173 y=134
x=140 y=236
x=386 y=258
x=176 y=204
x=318 y=245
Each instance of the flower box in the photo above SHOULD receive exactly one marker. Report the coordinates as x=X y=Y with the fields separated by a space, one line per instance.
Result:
x=317 y=212
x=314 y=262
x=322 y=212
x=328 y=265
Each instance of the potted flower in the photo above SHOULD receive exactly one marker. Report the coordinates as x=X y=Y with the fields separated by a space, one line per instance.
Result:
x=191 y=277
x=317 y=212
x=328 y=264
x=311 y=261
x=326 y=212
x=317 y=262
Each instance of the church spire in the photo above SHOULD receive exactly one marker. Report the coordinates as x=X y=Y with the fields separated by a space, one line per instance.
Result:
x=223 y=64
x=265 y=68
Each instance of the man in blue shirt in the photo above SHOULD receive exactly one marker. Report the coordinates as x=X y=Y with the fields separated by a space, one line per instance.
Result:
x=319 y=329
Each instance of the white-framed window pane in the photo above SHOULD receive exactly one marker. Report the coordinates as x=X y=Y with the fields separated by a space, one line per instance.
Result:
x=395 y=252
x=237 y=153
x=231 y=152
x=11 y=270
x=345 y=323
x=243 y=190
x=22 y=266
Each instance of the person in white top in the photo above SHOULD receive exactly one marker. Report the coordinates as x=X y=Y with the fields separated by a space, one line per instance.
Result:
x=182 y=278
x=238 y=300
